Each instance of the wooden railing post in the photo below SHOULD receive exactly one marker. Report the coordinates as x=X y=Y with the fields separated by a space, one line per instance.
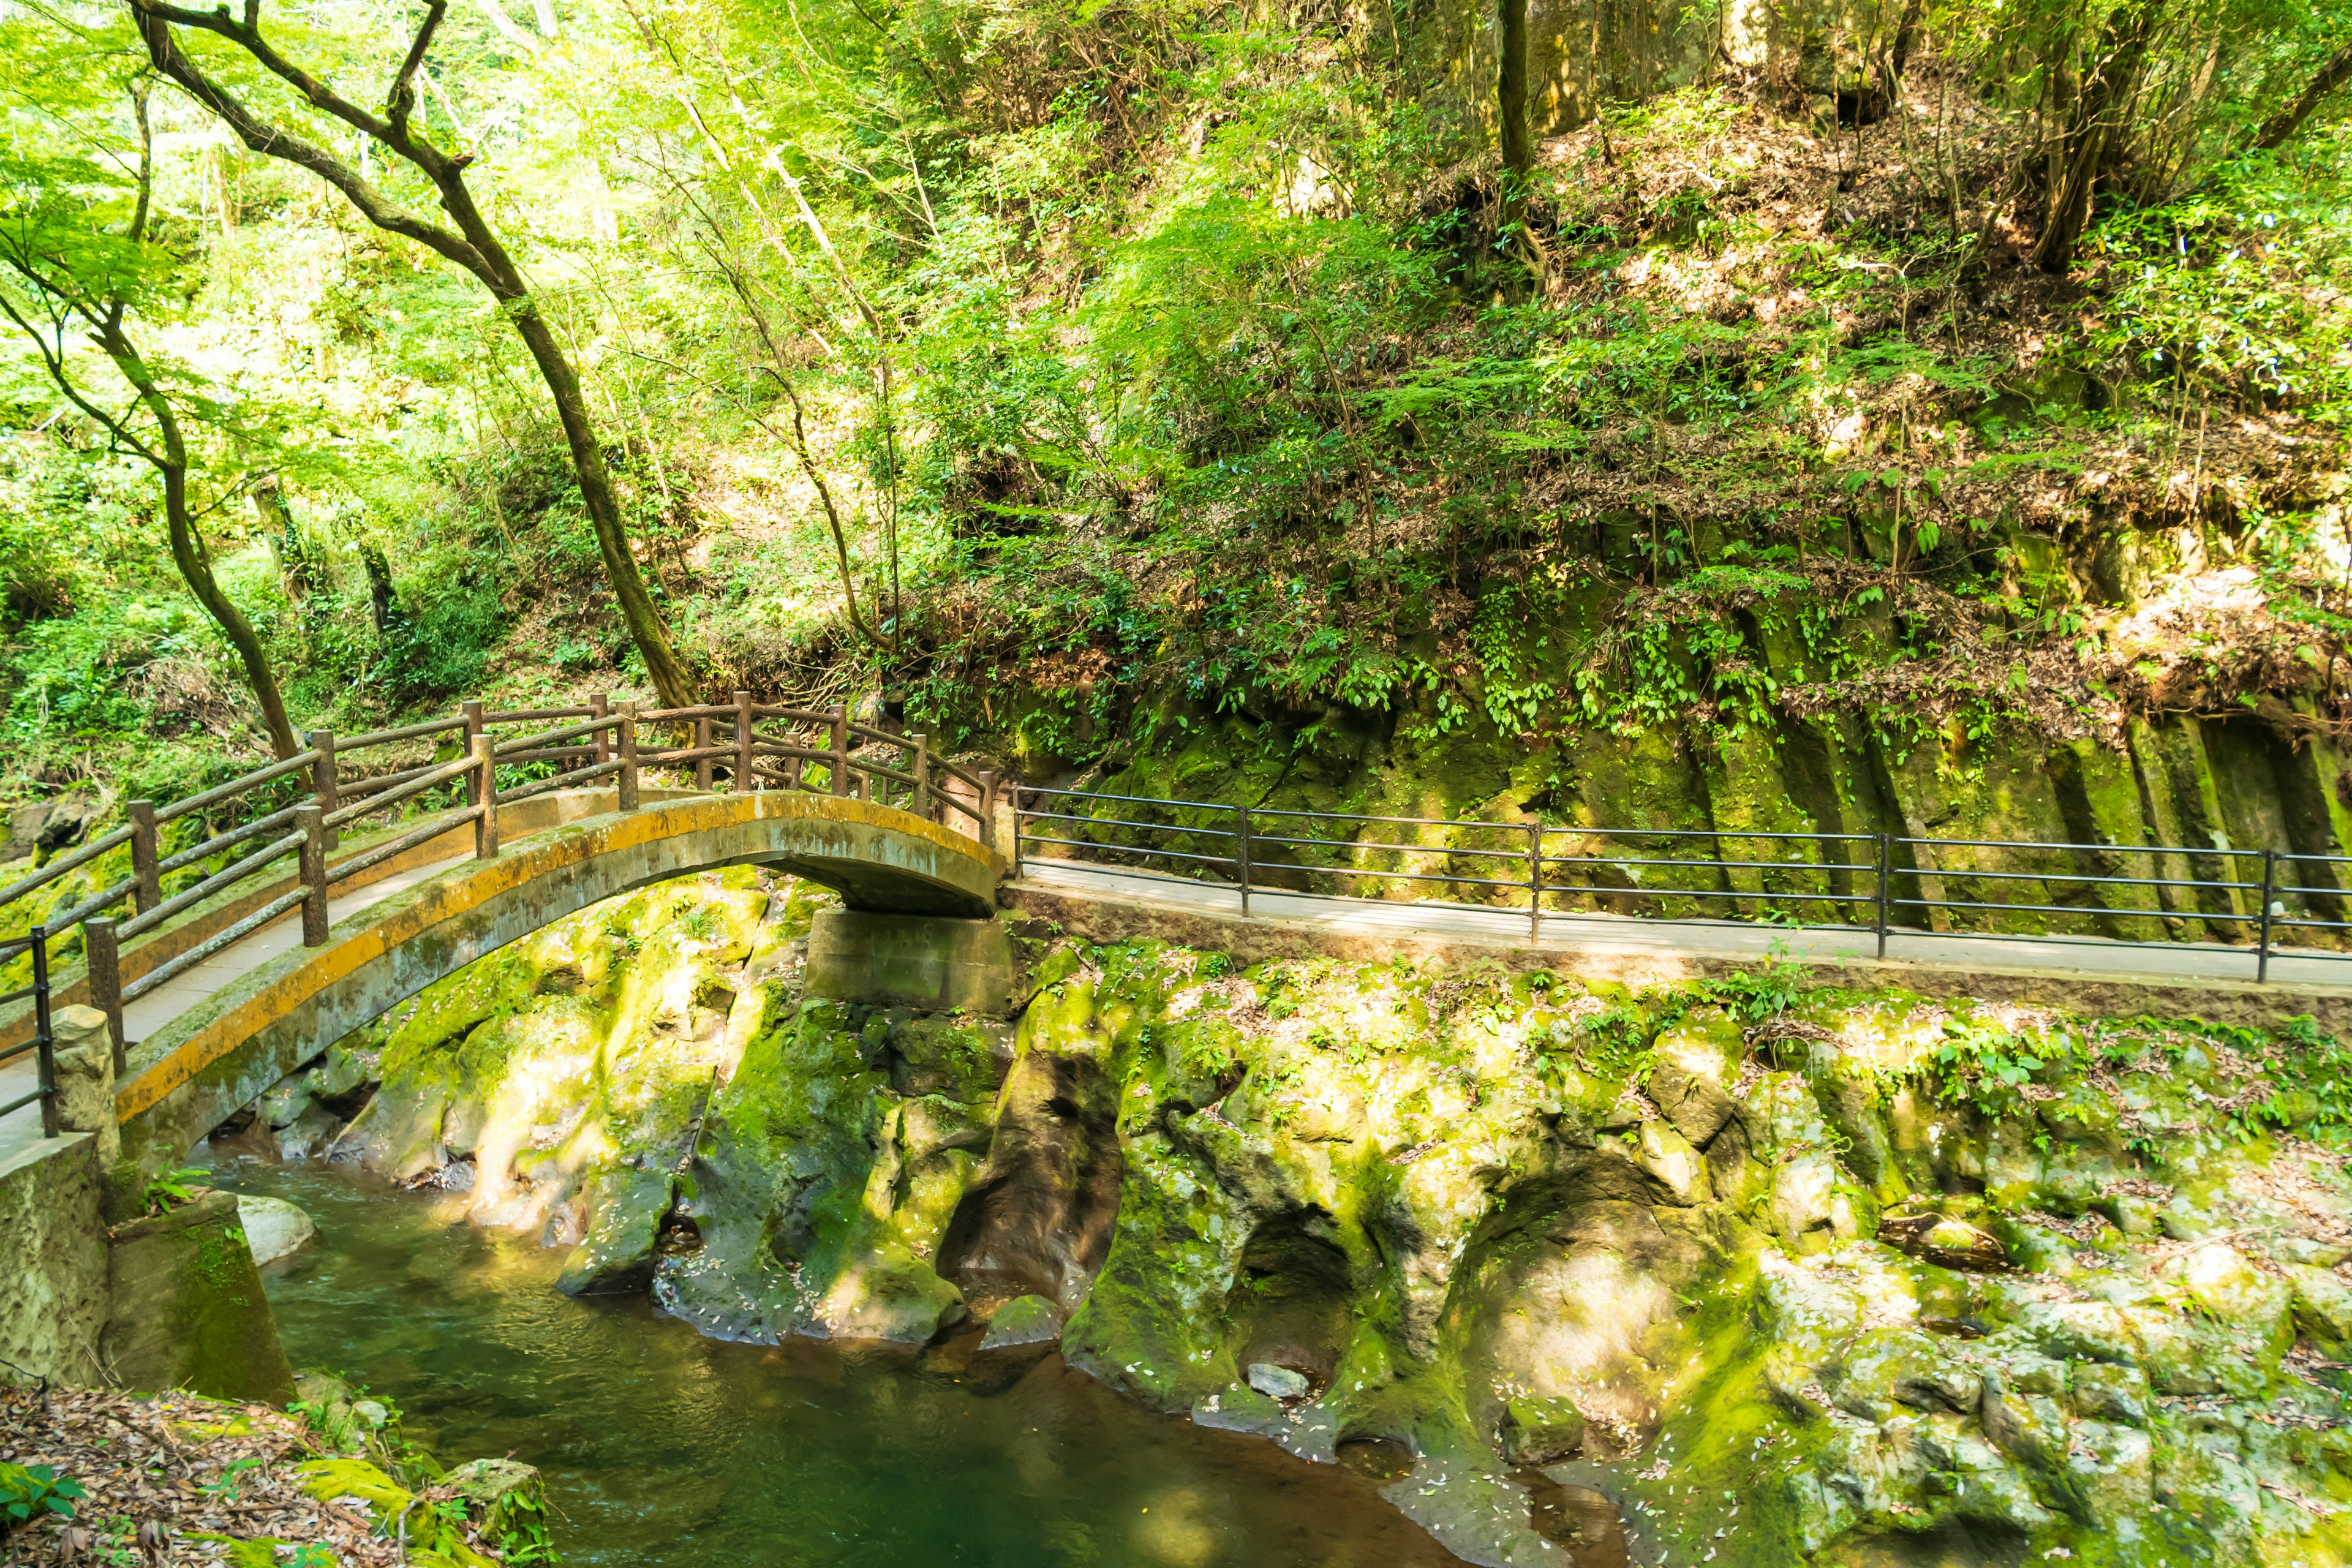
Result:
x=628 y=789
x=922 y=805
x=146 y=881
x=484 y=788
x=312 y=821
x=322 y=771
x=987 y=803
x=840 y=749
x=702 y=743
x=472 y=714
x=742 y=742
x=600 y=708
x=105 y=963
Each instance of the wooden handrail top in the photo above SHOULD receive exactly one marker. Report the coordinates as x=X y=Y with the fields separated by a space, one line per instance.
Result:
x=679 y=715
x=405 y=732
x=63 y=864
x=536 y=715
x=237 y=786
x=549 y=737
x=377 y=801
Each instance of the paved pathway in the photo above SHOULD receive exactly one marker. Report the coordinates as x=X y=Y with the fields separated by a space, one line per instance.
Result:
x=2087 y=956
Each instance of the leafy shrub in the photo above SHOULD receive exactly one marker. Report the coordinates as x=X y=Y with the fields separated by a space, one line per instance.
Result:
x=36 y=1491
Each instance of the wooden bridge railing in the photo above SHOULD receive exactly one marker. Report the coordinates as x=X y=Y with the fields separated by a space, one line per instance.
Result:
x=295 y=809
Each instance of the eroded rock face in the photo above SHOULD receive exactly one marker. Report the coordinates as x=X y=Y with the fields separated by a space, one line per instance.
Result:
x=1831 y=1279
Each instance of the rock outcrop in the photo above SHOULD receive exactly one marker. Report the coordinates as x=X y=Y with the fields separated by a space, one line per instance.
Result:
x=1787 y=1277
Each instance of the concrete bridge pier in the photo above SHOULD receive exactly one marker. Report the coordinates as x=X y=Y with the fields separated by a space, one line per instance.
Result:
x=936 y=962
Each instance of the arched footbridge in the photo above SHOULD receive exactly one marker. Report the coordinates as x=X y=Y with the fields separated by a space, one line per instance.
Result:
x=228 y=936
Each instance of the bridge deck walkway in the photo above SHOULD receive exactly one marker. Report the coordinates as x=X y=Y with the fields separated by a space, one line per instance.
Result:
x=22 y=1129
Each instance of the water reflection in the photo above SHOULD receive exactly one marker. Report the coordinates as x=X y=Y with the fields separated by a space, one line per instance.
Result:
x=663 y=1447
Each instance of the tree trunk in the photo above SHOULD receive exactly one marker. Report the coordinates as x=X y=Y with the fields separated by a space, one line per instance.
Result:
x=295 y=567
x=195 y=567
x=1511 y=107
x=645 y=622
x=379 y=576
x=473 y=246
x=188 y=551
x=2288 y=121
x=2085 y=153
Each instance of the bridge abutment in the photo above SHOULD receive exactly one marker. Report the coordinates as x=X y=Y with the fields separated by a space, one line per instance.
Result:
x=936 y=962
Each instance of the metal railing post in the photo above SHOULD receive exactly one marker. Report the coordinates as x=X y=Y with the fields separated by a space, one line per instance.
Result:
x=146 y=881
x=600 y=709
x=742 y=742
x=105 y=963
x=1242 y=852
x=922 y=804
x=626 y=784
x=322 y=772
x=1015 y=793
x=484 y=787
x=1535 y=881
x=840 y=716
x=1886 y=877
x=2262 y=932
x=310 y=819
x=44 y=1033
x=472 y=714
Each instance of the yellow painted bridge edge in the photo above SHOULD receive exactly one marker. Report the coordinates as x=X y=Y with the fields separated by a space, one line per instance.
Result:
x=523 y=860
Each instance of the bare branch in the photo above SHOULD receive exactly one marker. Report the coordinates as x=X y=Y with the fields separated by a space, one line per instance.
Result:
x=401 y=98
x=146 y=161
x=2279 y=127
x=507 y=27
x=155 y=23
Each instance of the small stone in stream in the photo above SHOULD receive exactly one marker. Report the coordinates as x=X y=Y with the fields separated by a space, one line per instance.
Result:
x=273 y=1228
x=1024 y=1321
x=1276 y=1382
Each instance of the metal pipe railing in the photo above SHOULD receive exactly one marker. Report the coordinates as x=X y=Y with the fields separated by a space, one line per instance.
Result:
x=1875 y=890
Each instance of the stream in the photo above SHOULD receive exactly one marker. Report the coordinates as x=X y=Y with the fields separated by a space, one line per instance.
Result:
x=660 y=1447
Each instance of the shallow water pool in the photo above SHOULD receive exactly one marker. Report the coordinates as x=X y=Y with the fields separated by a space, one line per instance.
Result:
x=660 y=1447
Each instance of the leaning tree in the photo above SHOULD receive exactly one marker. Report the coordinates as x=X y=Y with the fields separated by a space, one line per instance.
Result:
x=463 y=236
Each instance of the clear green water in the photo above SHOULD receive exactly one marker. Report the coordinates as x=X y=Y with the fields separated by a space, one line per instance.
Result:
x=660 y=1447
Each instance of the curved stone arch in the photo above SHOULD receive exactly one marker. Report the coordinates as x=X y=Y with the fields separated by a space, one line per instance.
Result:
x=191 y=1073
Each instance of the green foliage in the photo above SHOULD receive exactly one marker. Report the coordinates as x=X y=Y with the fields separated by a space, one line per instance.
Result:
x=1146 y=352
x=171 y=1188
x=2228 y=295
x=1981 y=1064
x=36 y=1491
